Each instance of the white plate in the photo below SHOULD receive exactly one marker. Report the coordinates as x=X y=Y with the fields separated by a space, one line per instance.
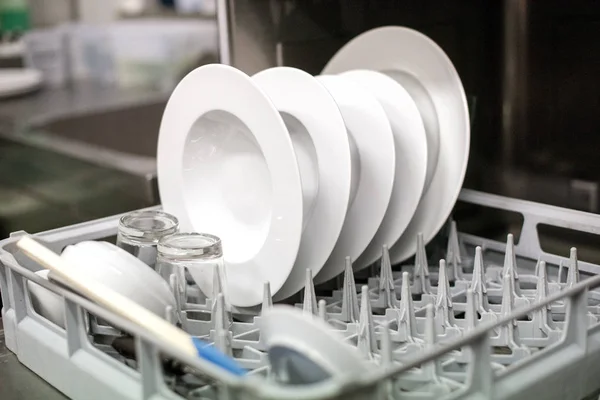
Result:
x=226 y=166
x=427 y=73
x=322 y=148
x=308 y=347
x=369 y=128
x=17 y=81
x=411 y=159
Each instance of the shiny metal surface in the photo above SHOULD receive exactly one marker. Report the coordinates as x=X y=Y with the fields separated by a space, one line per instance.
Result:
x=224 y=26
x=514 y=84
x=77 y=153
x=123 y=138
x=115 y=129
x=251 y=35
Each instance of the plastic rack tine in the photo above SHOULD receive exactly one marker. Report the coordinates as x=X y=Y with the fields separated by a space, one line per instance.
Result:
x=507 y=296
x=219 y=284
x=310 y=298
x=367 y=343
x=220 y=321
x=573 y=272
x=386 y=280
x=510 y=264
x=471 y=311
x=453 y=254
x=407 y=322
x=573 y=278
x=223 y=342
x=560 y=272
x=478 y=284
x=541 y=289
x=350 y=311
x=444 y=314
x=322 y=306
x=478 y=352
x=218 y=292
x=480 y=374
x=222 y=334
x=385 y=350
x=219 y=314
x=422 y=284
x=510 y=330
x=542 y=318
x=433 y=368
x=267 y=302
x=576 y=320
x=386 y=361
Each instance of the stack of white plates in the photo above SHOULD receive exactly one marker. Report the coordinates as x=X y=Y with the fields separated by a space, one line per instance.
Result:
x=296 y=172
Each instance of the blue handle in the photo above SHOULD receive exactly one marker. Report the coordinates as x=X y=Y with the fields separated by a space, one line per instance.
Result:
x=210 y=353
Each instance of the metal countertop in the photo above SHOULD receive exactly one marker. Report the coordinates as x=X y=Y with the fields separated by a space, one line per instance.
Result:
x=19 y=113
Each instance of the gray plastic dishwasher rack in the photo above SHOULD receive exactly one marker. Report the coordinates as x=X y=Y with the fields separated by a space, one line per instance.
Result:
x=493 y=320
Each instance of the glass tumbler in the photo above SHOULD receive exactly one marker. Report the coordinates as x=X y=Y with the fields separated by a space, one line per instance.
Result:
x=140 y=231
x=194 y=255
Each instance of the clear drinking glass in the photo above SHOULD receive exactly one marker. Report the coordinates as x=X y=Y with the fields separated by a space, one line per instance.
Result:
x=140 y=232
x=190 y=255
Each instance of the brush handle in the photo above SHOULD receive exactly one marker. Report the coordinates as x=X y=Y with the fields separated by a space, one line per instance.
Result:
x=107 y=297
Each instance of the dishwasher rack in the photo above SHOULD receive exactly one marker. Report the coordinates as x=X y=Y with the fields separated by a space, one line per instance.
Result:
x=84 y=367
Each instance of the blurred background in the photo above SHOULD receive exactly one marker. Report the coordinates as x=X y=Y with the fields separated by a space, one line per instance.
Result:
x=82 y=143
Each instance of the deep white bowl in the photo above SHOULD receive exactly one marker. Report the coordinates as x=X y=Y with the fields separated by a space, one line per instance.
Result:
x=113 y=267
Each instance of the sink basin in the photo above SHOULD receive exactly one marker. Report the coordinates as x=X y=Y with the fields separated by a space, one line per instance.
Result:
x=122 y=139
x=132 y=130
x=77 y=153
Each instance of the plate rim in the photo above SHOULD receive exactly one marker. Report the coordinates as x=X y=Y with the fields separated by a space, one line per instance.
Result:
x=225 y=88
x=409 y=141
x=316 y=109
x=369 y=55
x=381 y=156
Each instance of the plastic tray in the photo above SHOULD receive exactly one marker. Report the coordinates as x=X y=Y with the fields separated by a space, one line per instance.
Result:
x=563 y=367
